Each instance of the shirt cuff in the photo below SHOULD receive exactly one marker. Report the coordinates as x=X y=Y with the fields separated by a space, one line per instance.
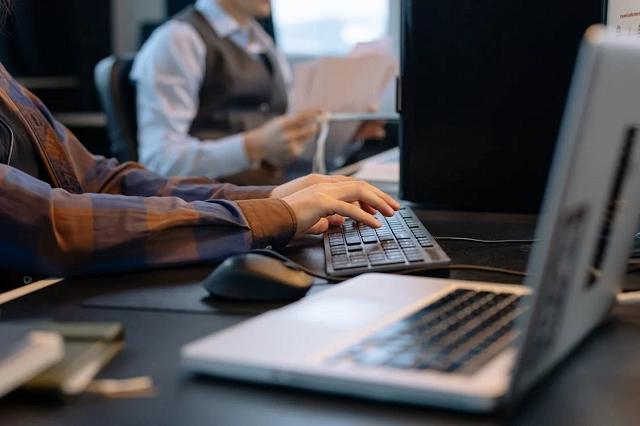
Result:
x=235 y=193
x=272 y=222
x=235 y=154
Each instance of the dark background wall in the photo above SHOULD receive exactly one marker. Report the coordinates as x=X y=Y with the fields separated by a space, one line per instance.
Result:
x=174 y=6
x=53 y=38
x=52 y=46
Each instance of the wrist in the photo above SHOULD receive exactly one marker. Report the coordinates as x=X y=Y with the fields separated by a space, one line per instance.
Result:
x=272 y=222
x=252 y=146
x=275 y=193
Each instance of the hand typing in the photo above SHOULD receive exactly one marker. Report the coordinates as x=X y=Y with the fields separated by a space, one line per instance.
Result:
x=316 y=206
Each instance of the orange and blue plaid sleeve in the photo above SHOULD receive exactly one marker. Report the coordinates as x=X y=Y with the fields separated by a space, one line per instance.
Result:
x=49 y=231
x=121 y=217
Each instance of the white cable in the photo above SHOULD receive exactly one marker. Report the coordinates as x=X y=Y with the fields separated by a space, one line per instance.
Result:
x=320 y=156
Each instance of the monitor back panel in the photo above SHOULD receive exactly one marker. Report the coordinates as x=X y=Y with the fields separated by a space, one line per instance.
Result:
x=483 y=87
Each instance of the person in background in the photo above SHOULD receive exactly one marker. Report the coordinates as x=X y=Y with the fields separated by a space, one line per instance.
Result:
x=213 y=94
x=64 y=211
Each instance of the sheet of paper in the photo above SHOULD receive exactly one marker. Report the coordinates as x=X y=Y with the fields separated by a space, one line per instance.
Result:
x=384 y=167
x=350 y=84
x=303 y=76
x=379 y=173
x=381 y=46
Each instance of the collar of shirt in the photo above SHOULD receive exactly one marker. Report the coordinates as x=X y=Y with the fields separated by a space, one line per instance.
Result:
x=252 y=38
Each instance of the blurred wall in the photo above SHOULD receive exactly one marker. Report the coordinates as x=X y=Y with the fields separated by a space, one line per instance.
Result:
x=128 y=17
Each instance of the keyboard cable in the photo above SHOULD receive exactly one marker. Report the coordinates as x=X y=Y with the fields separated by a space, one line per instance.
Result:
x=316 y=274
x=625 y=298
x=481 y=241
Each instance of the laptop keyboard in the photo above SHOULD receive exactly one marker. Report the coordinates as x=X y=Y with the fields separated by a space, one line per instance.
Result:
x=401 y=243
x=457 y=333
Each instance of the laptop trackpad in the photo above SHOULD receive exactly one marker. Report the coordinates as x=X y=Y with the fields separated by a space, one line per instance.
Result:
x=341 y=312
x=313 y=325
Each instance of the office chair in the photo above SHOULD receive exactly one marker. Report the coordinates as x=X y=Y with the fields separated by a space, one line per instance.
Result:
x=118 y=98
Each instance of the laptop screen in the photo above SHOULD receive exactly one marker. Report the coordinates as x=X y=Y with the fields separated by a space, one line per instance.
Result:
x=590 y=208
x=624 y=16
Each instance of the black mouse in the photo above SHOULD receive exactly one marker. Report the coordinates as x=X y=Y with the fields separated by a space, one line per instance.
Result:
x=257 y=277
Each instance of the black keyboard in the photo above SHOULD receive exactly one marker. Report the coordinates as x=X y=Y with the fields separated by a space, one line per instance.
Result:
x=401 y=243
x=458 y=333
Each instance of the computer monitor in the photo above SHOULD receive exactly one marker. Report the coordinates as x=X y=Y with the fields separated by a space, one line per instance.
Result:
x=482 y=90
x=624 y=16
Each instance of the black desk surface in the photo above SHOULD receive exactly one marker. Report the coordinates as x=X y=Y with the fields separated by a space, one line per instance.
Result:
x=599 y=384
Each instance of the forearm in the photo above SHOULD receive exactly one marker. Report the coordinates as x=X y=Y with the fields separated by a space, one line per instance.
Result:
x=101 y=175
x=166 y=147
x=192 y=188
x=52 y=232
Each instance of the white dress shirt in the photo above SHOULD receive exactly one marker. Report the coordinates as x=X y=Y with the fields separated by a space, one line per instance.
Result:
x=168 y=73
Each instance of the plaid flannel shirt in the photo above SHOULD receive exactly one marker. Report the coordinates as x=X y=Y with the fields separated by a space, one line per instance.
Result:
x=100 y=216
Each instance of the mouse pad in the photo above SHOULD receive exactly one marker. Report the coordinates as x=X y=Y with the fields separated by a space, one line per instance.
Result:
x=180 y=289
x=192 y=298
x=184 y=297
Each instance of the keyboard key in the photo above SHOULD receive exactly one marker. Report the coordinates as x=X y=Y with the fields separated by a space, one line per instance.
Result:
x=357 y=260
x=410 y=250
x=342 y=266
x=393 y=261
x=402 y=236
x=352 y=239
x=340 y=259
x=402 y=361
x=375 y=357
x=407 y=243
x=415 y=258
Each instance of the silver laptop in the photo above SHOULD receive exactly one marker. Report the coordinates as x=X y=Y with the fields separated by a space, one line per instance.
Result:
x=471 y=345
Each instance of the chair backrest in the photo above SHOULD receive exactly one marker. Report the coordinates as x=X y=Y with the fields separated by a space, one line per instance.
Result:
x=118 y=98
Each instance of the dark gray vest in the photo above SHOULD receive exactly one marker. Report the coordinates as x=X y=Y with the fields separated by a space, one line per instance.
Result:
x=239 y=92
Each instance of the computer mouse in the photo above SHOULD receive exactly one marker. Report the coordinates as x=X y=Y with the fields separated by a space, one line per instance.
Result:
x=257 y=277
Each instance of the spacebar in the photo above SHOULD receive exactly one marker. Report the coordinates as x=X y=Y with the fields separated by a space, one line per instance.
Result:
x=386 y=262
